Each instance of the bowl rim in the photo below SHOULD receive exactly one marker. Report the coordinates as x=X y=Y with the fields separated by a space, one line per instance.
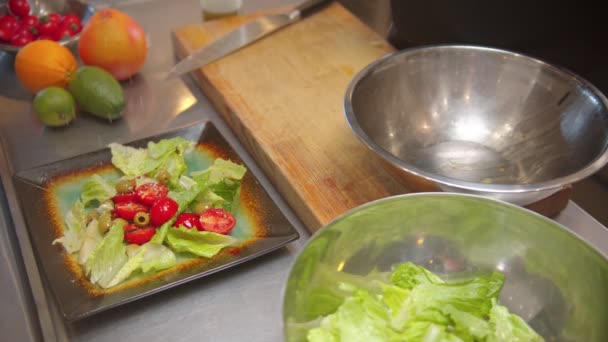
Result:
x=554 y=184
x=524 y=211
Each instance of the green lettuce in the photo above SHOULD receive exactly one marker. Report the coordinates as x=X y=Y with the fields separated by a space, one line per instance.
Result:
x=409 y=275
x=133 y=263
x=129 y=160
x=92 y=238
x=108 y=257
x=509 y=327
x=157 y=258
x=74 y=232
x=221 y=169
x=360 y=318
x=97 y=189
x=165 y=156
x=204 y=244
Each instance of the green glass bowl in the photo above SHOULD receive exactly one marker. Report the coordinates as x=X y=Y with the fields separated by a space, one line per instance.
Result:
x=554 y=280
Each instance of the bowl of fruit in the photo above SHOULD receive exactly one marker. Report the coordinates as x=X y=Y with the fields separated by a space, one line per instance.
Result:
x=23 y=21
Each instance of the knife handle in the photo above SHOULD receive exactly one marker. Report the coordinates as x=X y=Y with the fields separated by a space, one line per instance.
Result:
x=308 y=7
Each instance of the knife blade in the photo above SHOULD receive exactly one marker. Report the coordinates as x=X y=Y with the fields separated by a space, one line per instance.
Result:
x=243 y=36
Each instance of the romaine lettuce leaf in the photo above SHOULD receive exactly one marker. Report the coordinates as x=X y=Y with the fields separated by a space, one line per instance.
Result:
x=129 y=160
x=157 y=258
x=360 y=318
x=74 y=228
x=92 y=238
x=96 y=189
x=183 y=199
x=409 y=275
x=133 y=263
x=220 y=169
x=204 y=244
x=467 y=325
x=394 y=298
x=509 y=327
x=108 y=257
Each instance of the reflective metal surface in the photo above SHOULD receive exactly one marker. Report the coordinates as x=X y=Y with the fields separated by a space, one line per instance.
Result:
x=43 y=7
x=478 y=120
x=456 y=235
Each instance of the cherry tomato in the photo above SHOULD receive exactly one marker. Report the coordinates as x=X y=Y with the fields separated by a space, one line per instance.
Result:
x=149 y=193
x=47 y=27
x=128 y=197
x=22 y=39
x=5 y=35
x=20 y=8
x=127 y=210
x=54 y=17
x=189 y=220
x=29 y=21
x=63 y=33
x=217 y=220
x=138 y=235
x=72 y=22
x=8 y=26
x=162 y=211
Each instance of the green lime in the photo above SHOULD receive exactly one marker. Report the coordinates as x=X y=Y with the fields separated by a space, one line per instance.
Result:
x=55 y=106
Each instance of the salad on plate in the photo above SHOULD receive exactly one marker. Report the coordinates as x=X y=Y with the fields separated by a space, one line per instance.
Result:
x=154 y=211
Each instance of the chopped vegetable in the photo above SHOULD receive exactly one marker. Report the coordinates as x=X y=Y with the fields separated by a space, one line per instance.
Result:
x=204 y=244
x=130 y=230
x=418 y=305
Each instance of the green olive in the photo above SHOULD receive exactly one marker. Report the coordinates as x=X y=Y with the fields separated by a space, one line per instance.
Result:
x=125 y=185
x=163 y=176
x=105 y=222
x=92 y=215
x=200 y=207
x=141 y=219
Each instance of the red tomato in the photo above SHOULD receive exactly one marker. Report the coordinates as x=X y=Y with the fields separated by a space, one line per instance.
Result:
x=128 y=197
x=5 y=35
x=20 y=8
x=127 y=210
x=8 y=26
x=217 y=220
x=138 y=235
x=189 y=220
x=72 y=22
x=149 y=193
x=47 y=27
x=29 y=21
x=162 y=211
x=54 y=17
x=22 y=39
x=63 y=33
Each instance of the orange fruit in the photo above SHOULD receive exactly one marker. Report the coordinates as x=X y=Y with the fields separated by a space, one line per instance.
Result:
x=44 y=63
x=113 y=41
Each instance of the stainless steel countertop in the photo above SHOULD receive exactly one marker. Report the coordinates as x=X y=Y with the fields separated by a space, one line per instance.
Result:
x=243 y=303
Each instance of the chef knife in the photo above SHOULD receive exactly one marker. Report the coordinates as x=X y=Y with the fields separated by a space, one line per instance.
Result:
x=243 y=36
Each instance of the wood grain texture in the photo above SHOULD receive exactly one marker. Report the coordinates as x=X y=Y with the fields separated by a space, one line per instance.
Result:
x=283 y=96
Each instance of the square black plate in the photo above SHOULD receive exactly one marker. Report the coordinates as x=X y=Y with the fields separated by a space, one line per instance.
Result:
x=78 y=298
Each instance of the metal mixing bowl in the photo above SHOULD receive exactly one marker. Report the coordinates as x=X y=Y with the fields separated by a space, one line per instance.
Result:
x=43 y=7
x=553 y=279
x=479 y=120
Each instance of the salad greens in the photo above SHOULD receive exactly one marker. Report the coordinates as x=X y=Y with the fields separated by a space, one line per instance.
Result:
x=417 y=305
x=105 y=255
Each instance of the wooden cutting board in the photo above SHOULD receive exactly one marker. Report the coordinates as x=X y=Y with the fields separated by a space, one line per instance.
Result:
x=283 y=97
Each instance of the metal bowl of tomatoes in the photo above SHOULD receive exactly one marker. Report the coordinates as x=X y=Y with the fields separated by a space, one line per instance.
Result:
x=23 y=21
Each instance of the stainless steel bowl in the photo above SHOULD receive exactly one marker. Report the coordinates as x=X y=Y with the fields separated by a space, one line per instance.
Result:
x=479 y=120
x=42 y=7
x=553 y=279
